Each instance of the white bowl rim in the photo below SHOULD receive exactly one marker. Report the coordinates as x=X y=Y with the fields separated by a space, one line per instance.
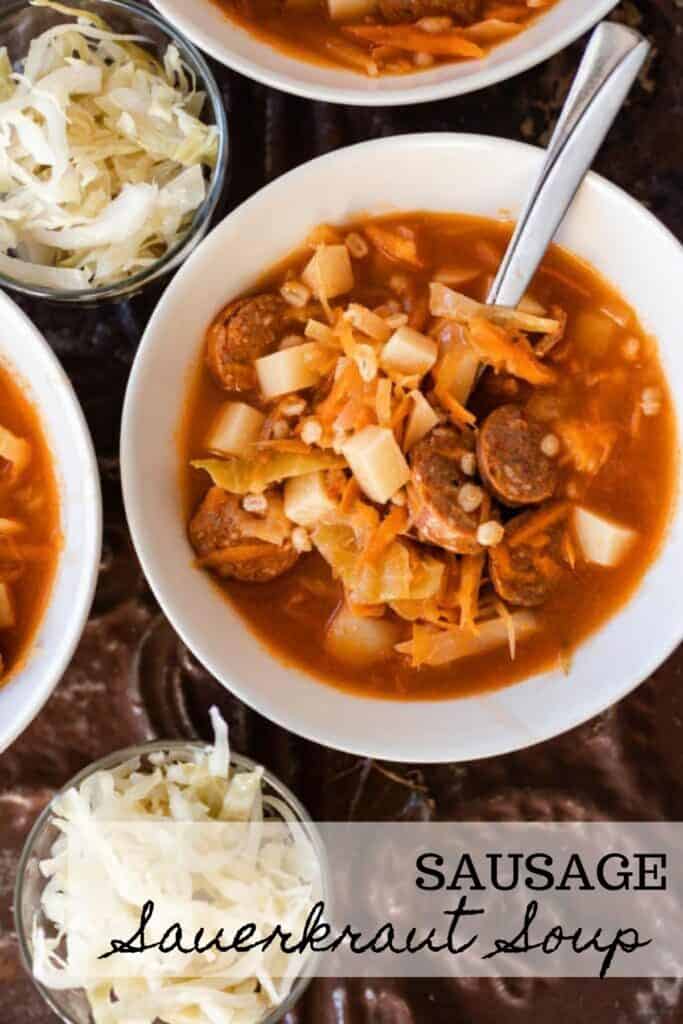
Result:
x=387 y=748
x=83 y=597
x=480 y=77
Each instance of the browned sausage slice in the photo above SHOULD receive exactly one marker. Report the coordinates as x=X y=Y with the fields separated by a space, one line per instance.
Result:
x=244 y=331
x=511 y=460
x=463 y=11
x=530 y=563
x=217 y=533
x=437 y=477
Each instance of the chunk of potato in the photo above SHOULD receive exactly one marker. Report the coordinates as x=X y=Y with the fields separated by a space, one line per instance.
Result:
x=594 y=333
x=289 y=370
x=457 y=374
x=602 y=541
x=235 y=427
x=8 y=617
x=409 y=352
x=307 y=499
x=360 y=641
x=329 y=272
x=421 y=420
x=377 y=462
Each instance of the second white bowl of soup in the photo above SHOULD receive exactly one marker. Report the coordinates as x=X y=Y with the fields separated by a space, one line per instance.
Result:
x=601 y=396
x=299 y=48
x=50 y=521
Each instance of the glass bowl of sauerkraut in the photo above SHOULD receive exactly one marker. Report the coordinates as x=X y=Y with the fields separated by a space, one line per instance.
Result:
x=160 y=783
x=113 y=148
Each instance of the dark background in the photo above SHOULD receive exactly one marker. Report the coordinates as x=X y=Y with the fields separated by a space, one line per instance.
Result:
x=132 y=679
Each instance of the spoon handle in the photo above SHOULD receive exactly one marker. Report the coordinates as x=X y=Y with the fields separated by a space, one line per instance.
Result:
x=610 y=65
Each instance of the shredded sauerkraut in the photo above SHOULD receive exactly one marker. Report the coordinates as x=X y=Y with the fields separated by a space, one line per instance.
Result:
x=101 y=155
x=281 y=882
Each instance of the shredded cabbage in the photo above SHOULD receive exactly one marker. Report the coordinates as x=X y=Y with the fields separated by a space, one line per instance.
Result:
x=402 y=574
x=254 y=475
x=278 y=882
x=102 y=152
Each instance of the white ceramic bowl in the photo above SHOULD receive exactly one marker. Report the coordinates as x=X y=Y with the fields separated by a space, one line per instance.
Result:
x=209 y=28
x=430 y=172
x=27 y=355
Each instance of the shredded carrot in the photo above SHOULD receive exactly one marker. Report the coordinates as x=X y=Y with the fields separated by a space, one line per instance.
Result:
x=495 y=346
x=348 y=382
x=386 y=533
x=350 y=495
x=471 y=571
x=539 y=523
x=239 y=553
x=400 y=248
x=405 y=37
x=461 y=416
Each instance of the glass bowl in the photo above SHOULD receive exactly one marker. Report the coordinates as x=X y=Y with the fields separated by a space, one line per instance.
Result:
x=20 y=23
x=71 y=1005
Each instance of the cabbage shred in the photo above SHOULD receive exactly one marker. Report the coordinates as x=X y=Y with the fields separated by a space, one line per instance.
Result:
x=281 y=883
x=102 y=151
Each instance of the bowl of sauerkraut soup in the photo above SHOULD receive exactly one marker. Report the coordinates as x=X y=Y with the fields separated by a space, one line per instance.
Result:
x=390 y=516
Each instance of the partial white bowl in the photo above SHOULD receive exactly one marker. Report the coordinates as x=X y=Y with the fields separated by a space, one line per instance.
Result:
x=26 y=354
x=429 y=172
x=209 y=28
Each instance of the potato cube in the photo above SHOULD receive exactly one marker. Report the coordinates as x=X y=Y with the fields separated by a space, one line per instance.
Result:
x=7 y=614
x=421 y=420
x=360 y=641
x=290 y=370
x=409 y=353
x=602 y=541
x=463 y=367
x=329 y=272
x=377 y=462
x=307 y=499
x=235 y=427
x=593 y=333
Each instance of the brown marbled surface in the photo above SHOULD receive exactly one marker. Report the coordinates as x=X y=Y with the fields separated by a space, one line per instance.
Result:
x=132 y=679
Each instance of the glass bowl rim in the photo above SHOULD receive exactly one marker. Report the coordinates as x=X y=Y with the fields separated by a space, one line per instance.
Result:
x=203 y=214
x=118 y=757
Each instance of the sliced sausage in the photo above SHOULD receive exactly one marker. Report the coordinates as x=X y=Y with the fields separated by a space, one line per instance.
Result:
x=219 y=535
x=436 y=479
x=463 y=11
x=244 y=331
x=511 y=459
x=531 y=562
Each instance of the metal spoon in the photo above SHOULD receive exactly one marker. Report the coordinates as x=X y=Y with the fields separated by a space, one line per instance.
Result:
x=610 y=65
